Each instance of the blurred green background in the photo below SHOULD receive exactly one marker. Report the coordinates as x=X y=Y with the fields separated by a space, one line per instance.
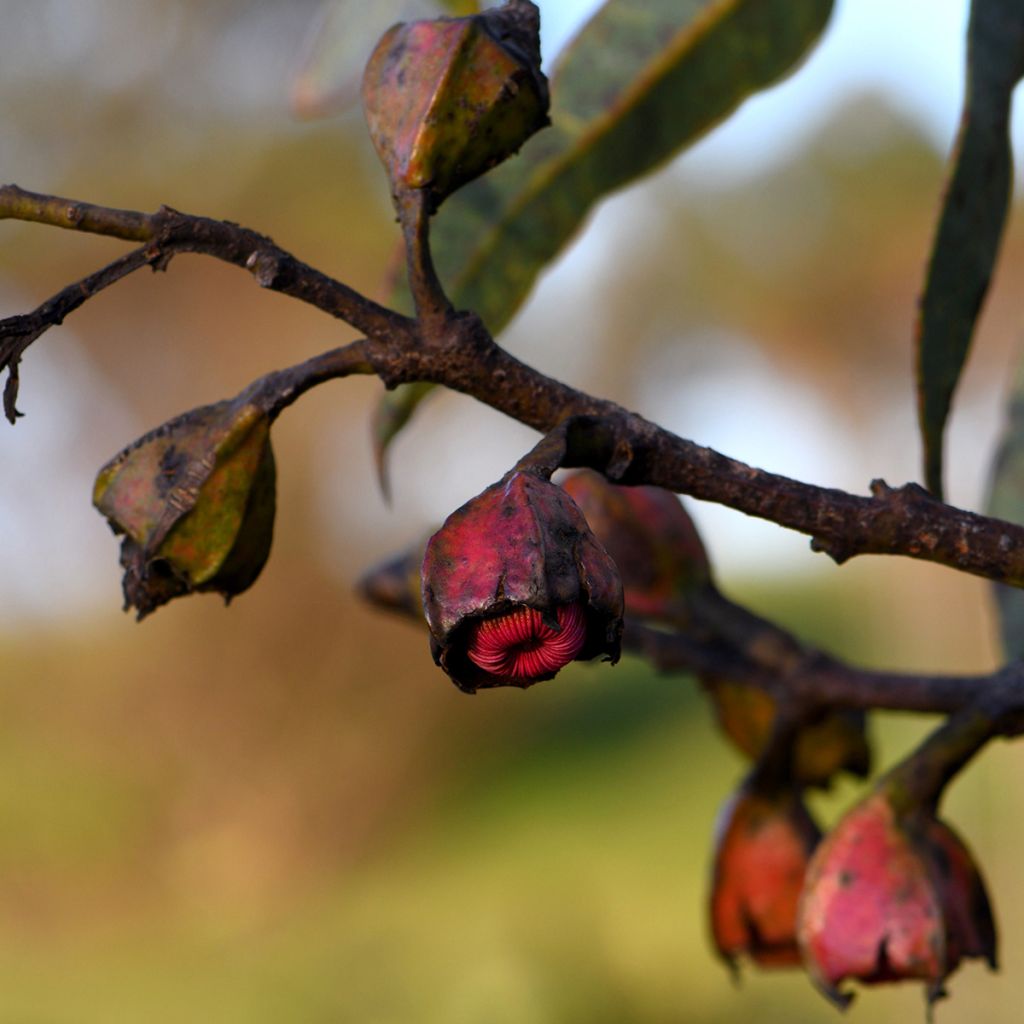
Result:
x=283 y=811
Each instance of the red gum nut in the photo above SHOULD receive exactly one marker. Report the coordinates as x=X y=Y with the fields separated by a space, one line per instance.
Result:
x=870 y=910
x=650 y=536
x=761 y=856
x=522 y=543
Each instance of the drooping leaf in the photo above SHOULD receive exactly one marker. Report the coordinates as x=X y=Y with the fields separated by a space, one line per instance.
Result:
x=392 y=413
x=643 y=79
x=971 y=223
x=1006 y=501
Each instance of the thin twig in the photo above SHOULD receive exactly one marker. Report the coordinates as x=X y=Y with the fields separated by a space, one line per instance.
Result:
x=819 y=681
x=18 y=332
x=281 y=388
x=170 y=232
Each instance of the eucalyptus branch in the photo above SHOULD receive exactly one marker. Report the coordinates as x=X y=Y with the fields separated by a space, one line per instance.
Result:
x=18 y=332
x=458 y=352
x=817 y=681
x=169 y=232
x=277 y=390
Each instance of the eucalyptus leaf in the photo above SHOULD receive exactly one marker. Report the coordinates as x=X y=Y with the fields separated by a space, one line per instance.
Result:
x=971 y=223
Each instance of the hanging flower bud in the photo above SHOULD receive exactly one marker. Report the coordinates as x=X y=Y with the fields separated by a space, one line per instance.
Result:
x=666 y=576
x=763 y=843
x=652 y=539
x=195 y=501
x=891 y=895
x=395 y=584
x=448 y=99
x=515 y=587
x=837 y=742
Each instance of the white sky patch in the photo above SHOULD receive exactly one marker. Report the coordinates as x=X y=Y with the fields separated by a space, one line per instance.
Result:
x=59 y=556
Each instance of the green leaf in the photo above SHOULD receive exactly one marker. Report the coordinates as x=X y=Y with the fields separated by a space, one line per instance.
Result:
x=1006 y=501
x=643 y=79
x=971 y=223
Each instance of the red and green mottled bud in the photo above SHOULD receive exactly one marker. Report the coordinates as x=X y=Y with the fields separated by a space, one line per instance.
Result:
x=195 y=501
x=447 y=99
x=892 y=895
x=652 y=539
x=515 y=586
x=764 y=842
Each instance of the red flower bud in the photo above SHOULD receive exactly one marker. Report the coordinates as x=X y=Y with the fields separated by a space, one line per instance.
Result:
x=666 y=576
x=892 y=896
x=650 y=536
x=764 y=842
x=970 y=926
x=515 y=586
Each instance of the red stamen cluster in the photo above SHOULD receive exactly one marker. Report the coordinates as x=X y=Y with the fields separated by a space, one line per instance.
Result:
x=518 y=645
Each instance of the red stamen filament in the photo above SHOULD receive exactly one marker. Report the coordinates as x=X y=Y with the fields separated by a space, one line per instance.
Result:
x=517 y=645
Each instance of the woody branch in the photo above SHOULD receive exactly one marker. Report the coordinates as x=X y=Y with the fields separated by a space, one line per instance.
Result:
x=457 y=351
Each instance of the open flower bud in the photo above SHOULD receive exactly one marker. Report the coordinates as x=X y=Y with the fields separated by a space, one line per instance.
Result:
x=515 y=586
x=890 y=896
x=763 y=844
x=447 y=99
x=195 y=500
x=652 y=539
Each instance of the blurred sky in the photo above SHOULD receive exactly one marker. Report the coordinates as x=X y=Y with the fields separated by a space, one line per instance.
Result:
x=910 y=52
